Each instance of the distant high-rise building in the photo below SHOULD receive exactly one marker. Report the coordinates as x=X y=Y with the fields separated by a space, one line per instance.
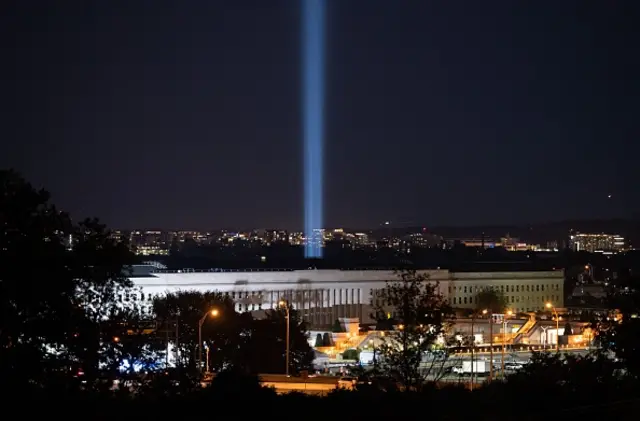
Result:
x=596 y=242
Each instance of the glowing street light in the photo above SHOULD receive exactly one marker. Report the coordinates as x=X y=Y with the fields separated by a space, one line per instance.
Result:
x=212 y=313
x=490 y=313
x=509 y=313
x=555 y=313
x=284 y=304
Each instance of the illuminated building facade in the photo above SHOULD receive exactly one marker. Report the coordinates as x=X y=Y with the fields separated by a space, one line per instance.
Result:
x=322 y=296
x=595 y=243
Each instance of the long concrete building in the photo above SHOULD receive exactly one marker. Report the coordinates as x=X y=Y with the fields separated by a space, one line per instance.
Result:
x=327 y=294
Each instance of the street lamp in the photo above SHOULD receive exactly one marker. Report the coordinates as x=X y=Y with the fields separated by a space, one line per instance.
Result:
x=285 y=304
x=212 y=313
x=490 y=313
x=555 y=313
x=509 y=313
x=473 y=348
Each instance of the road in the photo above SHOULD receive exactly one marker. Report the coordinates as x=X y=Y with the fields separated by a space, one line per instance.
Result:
x=437 y=369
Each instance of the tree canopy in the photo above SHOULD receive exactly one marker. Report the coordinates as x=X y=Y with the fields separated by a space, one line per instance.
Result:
x=234 y=339
x=421 y=315
x=491 y=300
x=60 y=290
x=71 y=313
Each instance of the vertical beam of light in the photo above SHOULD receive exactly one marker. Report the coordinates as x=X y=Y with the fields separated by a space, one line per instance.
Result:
x=313 y=16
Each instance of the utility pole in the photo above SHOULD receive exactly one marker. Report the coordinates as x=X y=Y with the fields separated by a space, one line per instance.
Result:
x=285 y=304
x=213 y=313
x=166 y=360
x=491 y=346
x=490 y=314
x=177 y=339
x=504 y=339
x=473 y=347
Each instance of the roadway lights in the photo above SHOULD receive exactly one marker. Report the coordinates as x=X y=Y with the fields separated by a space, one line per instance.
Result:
x=485 y=312
x=555 y=313
x=284 y=304
x=213 y=313
x=505 y=325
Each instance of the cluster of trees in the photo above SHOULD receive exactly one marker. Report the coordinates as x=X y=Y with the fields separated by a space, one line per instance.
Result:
x=63 y=321
x=419 y=317
x=57 y=296
x=234 y=340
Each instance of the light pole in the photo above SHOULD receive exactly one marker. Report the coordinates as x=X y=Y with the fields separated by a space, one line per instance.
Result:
x=213 y=313
x=555 y=313
x=178 y=339
x=504 y=336
x=490 y=342
x=285 y=304
x=473 y=348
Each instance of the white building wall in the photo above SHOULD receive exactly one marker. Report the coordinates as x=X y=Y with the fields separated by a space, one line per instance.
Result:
x=524 y=291
x=324 y=295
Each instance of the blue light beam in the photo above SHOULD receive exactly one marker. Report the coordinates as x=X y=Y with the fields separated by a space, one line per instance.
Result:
x=313 y=17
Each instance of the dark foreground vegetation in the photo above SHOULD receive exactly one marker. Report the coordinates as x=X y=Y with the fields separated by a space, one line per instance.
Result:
x=568 y=391
x=65 y=332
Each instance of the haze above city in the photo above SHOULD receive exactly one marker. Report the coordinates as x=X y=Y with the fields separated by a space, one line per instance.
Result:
x=436 y=114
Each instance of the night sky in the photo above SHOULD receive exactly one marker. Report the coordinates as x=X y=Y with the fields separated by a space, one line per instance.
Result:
x=186 y=114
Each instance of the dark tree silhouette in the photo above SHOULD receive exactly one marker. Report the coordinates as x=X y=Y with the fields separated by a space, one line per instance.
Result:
x=36 y=292
x=422 y=314
x=492 y=300
x=351 y=354
x=235 y=340
x=264 y=350
x=620 y=332
x=568 y=330
x=60 y=282
x=100 y=270
x=231 y=383
x=222 y=333
x=337 y=327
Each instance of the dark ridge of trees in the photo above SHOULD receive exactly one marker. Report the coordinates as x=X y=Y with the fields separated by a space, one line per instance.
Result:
x=574 y=389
